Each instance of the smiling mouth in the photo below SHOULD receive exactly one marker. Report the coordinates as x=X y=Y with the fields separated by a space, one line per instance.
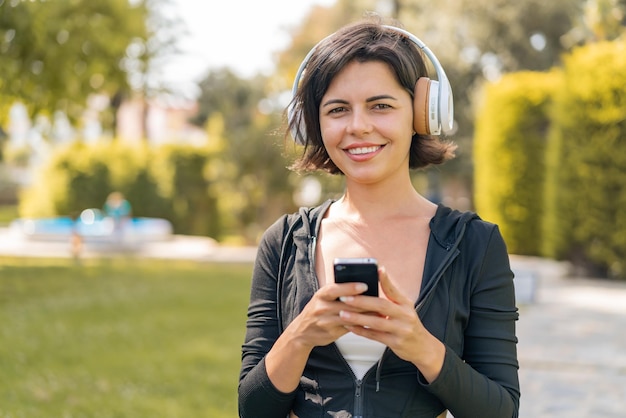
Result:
x=363 y=150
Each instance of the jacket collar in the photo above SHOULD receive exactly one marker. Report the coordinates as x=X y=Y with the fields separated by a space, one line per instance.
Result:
x=448 y=225
x=447 y=230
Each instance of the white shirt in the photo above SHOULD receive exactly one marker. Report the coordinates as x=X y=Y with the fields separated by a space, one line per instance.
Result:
x=361 y=353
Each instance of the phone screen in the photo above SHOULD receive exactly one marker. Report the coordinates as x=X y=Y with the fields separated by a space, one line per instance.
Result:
x=363 y=270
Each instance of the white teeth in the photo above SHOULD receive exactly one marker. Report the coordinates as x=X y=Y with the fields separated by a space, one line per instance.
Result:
x=362 y=150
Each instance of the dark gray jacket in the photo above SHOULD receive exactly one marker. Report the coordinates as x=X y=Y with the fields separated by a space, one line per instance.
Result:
x=467 y=301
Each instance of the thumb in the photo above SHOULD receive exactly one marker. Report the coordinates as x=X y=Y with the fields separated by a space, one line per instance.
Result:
x=390 y=290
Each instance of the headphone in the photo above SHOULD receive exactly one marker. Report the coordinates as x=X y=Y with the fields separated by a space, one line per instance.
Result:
x=433 y=108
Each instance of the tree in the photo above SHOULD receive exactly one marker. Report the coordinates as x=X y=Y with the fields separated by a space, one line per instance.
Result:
x=254 y=181
x=320 y=22
x=601 y=20
x=54 y=54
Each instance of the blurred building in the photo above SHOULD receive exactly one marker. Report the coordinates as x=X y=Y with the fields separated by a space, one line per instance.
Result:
x=159 y=121
x=29 y=143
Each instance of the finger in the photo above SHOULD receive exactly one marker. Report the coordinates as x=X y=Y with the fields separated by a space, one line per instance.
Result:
x=334 y=291
x=370 y=333
x=390 y=290
x=365 y=321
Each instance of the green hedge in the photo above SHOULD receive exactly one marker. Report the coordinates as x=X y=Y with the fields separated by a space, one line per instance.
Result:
x=559 y=193
x=587 y=172
x=509 y=149
x=168 y=182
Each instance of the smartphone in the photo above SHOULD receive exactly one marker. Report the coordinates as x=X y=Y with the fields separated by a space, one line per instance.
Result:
x=363 y=270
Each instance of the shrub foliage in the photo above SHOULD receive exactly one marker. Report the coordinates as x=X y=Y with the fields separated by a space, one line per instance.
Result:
x=550 y=164
x=509 y=149
x=168 y=182
x=587 y=155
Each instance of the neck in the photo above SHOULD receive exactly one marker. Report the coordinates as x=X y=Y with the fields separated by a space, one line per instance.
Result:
x=379 y=201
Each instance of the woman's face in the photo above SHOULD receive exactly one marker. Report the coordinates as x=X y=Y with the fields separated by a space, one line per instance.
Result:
x=366 y=121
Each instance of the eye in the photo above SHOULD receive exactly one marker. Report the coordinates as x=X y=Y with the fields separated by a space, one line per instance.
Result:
x=382 y=106
x=337 y=109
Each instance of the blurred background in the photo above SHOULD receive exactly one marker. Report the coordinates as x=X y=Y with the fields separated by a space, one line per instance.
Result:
x=179 y=106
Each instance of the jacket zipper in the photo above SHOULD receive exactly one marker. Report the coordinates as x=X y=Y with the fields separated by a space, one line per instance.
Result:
x=358 y=392
x=358 y=399
x=358 y=383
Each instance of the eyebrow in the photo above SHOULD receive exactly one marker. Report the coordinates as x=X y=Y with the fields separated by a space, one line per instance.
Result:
x=368 y=100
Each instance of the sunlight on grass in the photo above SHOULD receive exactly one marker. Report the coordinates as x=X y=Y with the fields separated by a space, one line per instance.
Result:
x=120 y=338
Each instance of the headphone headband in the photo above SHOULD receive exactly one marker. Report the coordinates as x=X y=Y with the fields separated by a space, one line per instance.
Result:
x=436 y=112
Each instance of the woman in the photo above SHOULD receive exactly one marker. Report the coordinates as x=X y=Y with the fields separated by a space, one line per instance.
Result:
x=441 y=336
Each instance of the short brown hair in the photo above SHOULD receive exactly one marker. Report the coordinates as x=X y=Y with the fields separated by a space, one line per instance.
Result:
x=363 y=41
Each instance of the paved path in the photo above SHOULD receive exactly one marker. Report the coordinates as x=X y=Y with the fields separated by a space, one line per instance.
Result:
x=572 y=345
x=180 y=247
x=572 y=332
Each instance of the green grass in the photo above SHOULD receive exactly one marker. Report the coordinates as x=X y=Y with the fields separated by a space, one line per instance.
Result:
x=120 y=338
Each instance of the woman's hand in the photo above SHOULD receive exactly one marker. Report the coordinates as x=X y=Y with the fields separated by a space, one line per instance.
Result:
x=319 y=323
x=396 y=325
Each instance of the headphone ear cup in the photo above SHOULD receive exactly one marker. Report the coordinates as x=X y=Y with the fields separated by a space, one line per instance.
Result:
x=426 y=119
x=420 y=106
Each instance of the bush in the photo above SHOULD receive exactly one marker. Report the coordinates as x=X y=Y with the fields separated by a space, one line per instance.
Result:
x=167 y=182
x=74 y=179
x=182 y=174
x=509 y=150
x=587 y=151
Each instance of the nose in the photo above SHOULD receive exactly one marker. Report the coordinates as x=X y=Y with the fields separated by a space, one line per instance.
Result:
x=359 y=123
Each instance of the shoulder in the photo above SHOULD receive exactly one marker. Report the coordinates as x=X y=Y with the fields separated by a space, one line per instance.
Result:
x=449 y=225
x=276 y=231
x=290 y=223
x=449 y=220
x=301 y=223
x=452 y=227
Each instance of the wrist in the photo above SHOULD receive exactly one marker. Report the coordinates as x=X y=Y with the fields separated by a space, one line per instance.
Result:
x=294 y=341
x=431 y=359
x=286 y=360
